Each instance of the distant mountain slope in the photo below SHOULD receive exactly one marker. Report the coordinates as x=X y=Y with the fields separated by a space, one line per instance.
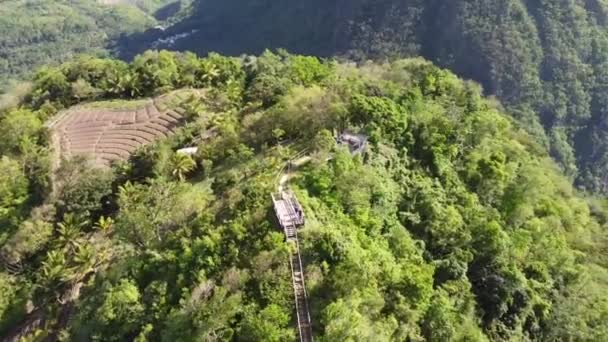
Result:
x=546 y=60
x=157 y=8
x=37 y=32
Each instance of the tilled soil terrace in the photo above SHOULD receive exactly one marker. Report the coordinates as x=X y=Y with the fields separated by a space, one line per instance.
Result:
x=109 y=135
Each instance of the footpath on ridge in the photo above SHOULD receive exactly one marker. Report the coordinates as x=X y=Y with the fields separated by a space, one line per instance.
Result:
x=291 y=216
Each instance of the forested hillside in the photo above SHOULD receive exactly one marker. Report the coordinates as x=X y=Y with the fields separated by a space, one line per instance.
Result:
x=545 y=60
x=39 y=32
x=455 y=225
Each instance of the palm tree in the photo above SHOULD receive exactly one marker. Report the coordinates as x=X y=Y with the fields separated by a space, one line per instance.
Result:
x=113 y=84
x=182 y=165
x=128 y=193
x=85 y=262
x=210 y=71
x=53 y=268
x=69 y=230
x=105 y=224
x=129 y=84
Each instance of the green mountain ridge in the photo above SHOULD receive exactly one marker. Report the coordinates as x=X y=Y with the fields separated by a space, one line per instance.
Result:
x=455 y=225
x=545 y=60
x=34 y=33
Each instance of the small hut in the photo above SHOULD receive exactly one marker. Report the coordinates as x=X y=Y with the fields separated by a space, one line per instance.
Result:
x=189 y=151
x=356 y=143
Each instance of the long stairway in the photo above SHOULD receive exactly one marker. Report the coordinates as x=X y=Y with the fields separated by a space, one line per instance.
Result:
x=299 y=288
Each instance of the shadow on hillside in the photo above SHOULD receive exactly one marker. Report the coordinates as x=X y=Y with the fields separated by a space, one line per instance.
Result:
x=168 y=11
x=232 y=27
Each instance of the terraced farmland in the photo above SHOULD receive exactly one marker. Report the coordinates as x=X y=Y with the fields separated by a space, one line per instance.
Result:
x=107 y=135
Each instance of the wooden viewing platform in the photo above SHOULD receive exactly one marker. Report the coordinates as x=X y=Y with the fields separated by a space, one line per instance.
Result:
x=288 y=210
x=291 y=216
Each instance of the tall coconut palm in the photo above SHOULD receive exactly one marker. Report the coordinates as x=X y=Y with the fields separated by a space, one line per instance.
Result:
x=210 y=72
x=53 y=268
x=129 y=84
x=105 y=224
x=182 y=164
x=128 y=191
x=84 y=262
x=113 y=84
x=69 y=231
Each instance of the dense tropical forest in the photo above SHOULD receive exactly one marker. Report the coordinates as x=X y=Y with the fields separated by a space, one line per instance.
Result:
x=545 y=60
x=455 y=225
x=39 y=32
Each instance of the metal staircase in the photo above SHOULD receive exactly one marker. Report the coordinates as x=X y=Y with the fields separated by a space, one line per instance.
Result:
x=299 y=287
x=290 y=216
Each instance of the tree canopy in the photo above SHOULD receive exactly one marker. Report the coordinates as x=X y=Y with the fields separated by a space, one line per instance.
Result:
x=454 y=225
x=38 y=32
x=545 y=60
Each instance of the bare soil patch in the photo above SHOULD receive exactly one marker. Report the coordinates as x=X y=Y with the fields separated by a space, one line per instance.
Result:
x=113 y=133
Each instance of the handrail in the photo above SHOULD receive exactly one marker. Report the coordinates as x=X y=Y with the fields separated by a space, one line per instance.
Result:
x=287 y=165
x=292 y=211
x=293 y=280
x=305 y=336
x=303 y=281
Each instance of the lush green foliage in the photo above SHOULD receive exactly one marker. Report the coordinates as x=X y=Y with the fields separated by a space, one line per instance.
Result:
x=455 y=225
x=39 y=32
x=545 y=60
